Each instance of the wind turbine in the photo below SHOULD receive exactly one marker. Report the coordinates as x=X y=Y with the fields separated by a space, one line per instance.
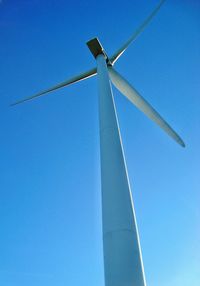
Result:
x=123 y=264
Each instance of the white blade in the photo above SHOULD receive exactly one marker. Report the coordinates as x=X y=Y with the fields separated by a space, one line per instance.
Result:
x=115 y=57
x=124 y=87
x=77 y=78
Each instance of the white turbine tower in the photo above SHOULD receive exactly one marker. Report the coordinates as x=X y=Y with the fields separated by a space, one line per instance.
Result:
x=123 y=264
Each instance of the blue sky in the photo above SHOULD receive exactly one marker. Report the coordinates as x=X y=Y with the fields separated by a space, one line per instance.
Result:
x=50 y=212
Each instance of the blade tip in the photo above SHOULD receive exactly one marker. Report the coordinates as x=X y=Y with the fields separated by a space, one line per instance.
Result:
x=14 y=103
x=182 y=144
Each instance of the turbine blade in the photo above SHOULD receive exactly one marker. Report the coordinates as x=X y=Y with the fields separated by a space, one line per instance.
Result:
x=72 y=80
x=119 y=52
x=125 y=88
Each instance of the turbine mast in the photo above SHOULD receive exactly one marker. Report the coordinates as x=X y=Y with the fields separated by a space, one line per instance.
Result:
x=122 y=255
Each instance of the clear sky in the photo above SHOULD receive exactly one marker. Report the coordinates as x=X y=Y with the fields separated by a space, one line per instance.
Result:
x=50 y=214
